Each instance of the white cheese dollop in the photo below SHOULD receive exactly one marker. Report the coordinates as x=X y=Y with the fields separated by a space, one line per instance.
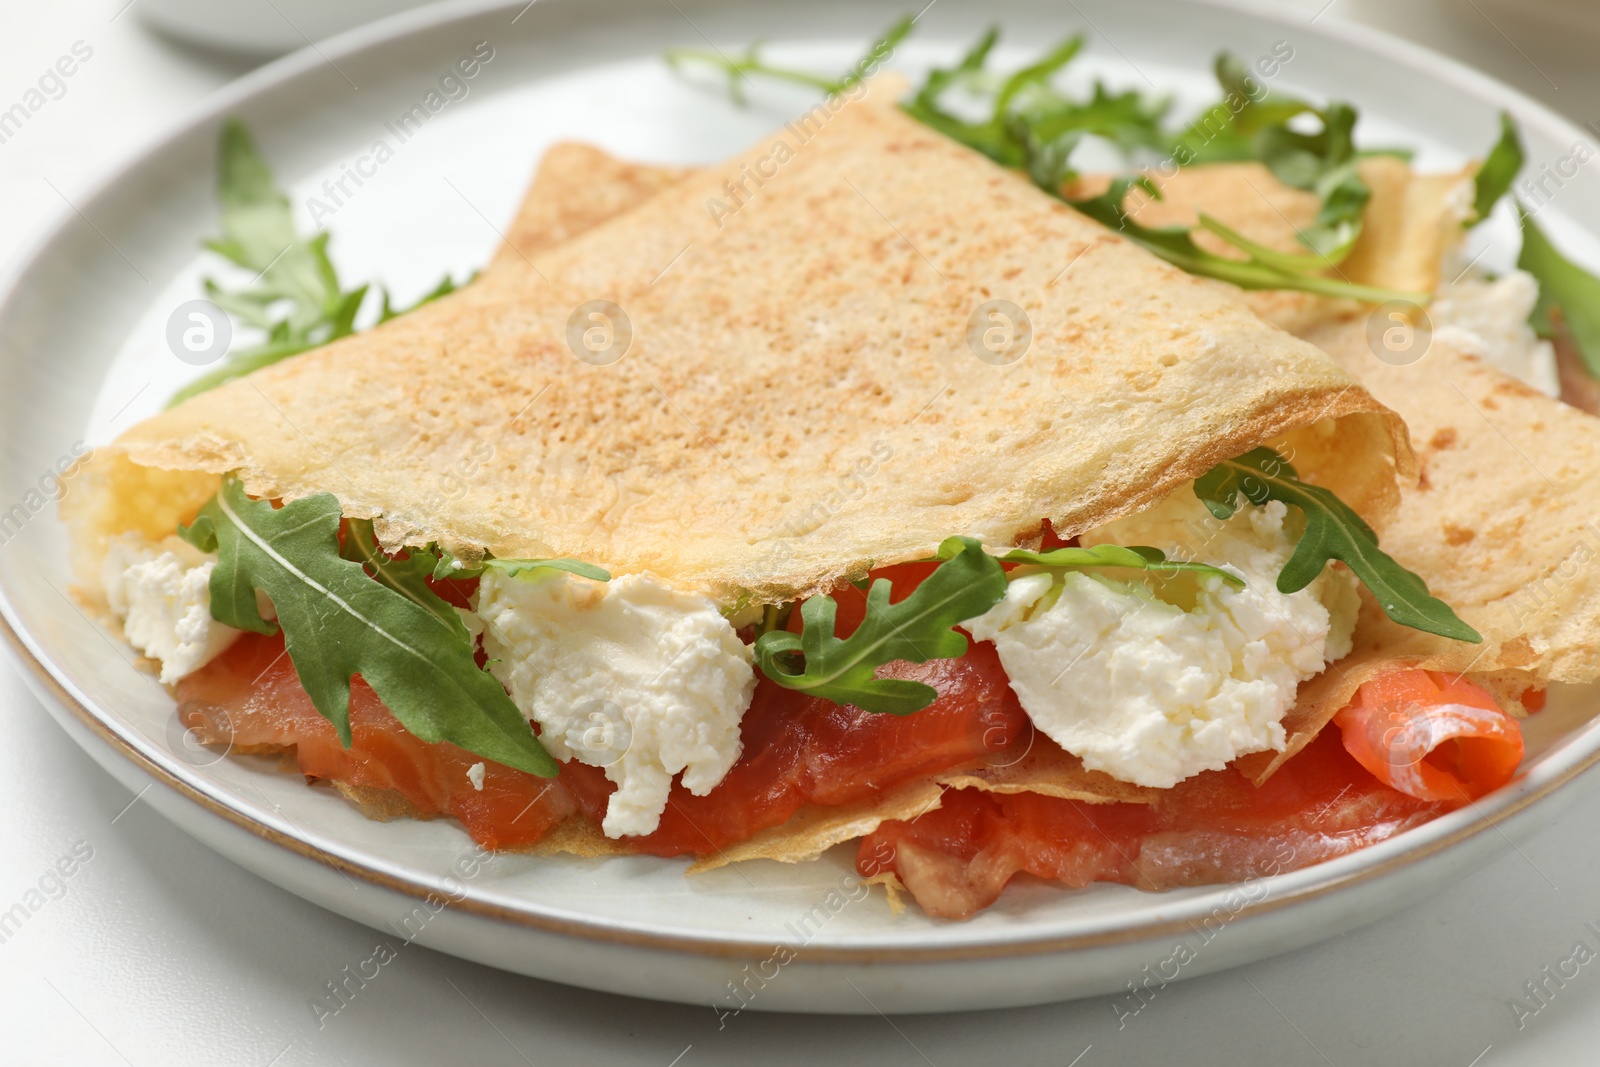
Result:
x=161 y=593
x=1152 y=692
x=628 y=675
x=1489 y=318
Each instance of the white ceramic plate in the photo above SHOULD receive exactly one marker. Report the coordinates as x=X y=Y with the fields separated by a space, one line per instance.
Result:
x=82 y=355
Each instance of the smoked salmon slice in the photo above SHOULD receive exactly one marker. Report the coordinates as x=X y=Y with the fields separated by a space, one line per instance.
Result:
x=1214 y=827
x=1431 y=735
x=249 y=698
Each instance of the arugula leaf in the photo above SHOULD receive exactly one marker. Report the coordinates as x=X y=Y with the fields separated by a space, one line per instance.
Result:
x=338 y=622
x=1041 y=133
x=1246 y=125
x=1225 y=131
x=407 y=576
x=1333 y=531
x=1565 y=289
x=446 y=565
x=1569 y=295
x=1265 y=269
x=1323 y=163
x=258 y=234
x=1003 y=136
x=1031 y=125
x=1137 y=557
x=1499 y=168
x=296 y=297
x=968 y=583
x=515 y=568
x=738 y=68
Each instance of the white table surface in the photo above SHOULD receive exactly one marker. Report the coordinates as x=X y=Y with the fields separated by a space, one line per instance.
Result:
x=157 y=952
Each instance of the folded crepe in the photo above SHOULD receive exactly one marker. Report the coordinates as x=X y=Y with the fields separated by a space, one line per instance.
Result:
x=766 y=323
x=769 y=321
x=1498 y=518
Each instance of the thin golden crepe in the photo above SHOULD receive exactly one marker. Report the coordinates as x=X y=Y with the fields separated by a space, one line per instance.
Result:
x=775 y=346
x=1411 y=221
x=577 y=187
x=1511 y=549
x=1409 y=225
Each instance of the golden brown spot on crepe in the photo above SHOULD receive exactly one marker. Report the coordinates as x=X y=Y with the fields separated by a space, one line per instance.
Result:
x=1517 y=652
x=1514 y=387
x=1457 y=535
x=1442 y=439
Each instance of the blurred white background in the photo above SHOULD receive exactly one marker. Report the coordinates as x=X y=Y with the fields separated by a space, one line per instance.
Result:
x=160 y=953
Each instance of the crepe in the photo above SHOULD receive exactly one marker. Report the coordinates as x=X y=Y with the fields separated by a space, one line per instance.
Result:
x=577 y=187
x=798 y=315
x=1501 y=520
x=1475 y=473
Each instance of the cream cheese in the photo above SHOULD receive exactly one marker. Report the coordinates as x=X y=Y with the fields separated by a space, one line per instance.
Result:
x=1151 y=691
x=628 y=675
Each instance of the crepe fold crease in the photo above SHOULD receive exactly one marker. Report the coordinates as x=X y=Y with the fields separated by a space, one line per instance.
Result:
x=772 y=374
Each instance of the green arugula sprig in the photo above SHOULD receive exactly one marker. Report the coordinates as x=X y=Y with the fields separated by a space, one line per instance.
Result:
x=1265 y=269
x=1030 y=124
x=1226 y=131
x=1569 y=295
x=1036 y=128
x=295 y=298
x=1134 y=557
x=337 y=621
x=1033 y=126
x=1498 y=170
x=446 y=565
x=967 y=583
x=1251 y=124
x=1565 y=290
x=407 y=575
x=738 y=68
x=921 y=627
x=1333 y=532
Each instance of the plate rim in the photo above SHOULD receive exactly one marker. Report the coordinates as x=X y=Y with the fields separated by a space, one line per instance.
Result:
x=1579 y=753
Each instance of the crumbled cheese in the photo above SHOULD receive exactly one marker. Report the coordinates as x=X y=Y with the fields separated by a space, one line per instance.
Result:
x=1153 y=692
x=1489 y=318
x=475 y=776
x=628 y=675
x=161 y=593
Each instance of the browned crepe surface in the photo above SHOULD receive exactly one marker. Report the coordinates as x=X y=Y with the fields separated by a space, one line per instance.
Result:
x=774 y=349
x=1509 y=540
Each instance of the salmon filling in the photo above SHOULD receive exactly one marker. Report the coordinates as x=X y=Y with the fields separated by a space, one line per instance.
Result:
x=802 y=751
